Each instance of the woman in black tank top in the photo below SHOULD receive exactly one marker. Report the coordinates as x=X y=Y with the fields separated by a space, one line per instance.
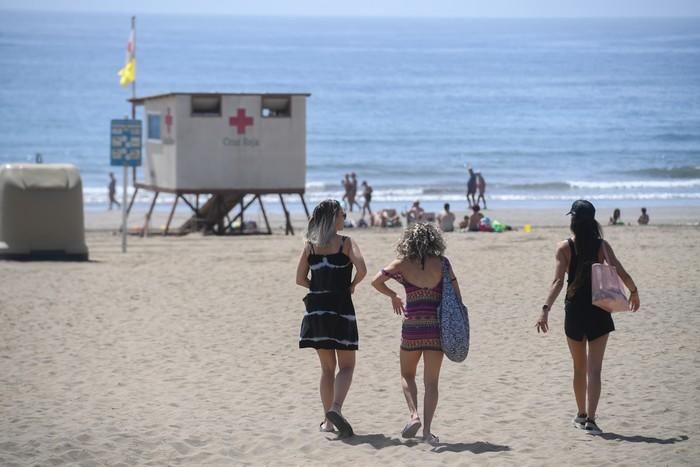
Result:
x=329 y=325
x=586 y=326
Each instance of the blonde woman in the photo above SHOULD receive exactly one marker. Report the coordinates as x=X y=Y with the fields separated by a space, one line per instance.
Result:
x=329 y=324
x=418 y=268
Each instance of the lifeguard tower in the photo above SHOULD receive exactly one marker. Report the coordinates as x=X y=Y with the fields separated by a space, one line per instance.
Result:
x=226 y=146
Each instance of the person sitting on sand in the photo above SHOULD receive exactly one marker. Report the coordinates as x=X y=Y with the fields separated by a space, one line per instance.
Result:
x=615 y=219
x=586 y=326
x=415 y=214
x=387 y=218
x=446 y=219
x=464 y=223
x=644 y=218
x=475 y=219
x=418 y=269
x=329 y=324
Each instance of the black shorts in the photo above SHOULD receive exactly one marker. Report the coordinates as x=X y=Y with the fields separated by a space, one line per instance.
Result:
x=586 y=321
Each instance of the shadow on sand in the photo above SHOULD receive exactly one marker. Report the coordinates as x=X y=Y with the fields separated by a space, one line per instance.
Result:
x=380 y=441
x=478 y=447
x=641 y=439
x=376 y=440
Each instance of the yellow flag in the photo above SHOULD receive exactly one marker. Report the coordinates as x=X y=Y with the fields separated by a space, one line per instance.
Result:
x=127 y=75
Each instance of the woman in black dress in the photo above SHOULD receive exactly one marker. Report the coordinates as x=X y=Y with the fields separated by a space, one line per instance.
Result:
x=584 y=323
x=329 y=324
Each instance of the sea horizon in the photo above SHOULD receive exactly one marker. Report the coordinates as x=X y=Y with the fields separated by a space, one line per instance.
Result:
x=548 y=109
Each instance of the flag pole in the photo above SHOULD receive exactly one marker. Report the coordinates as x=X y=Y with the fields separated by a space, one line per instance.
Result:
x=133 y=95
x=126 y=167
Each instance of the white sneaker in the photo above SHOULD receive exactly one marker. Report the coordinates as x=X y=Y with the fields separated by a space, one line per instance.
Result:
x=579 y=421
x=591 y=427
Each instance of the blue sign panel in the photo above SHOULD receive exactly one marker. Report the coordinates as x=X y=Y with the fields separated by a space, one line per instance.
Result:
x=126 y=142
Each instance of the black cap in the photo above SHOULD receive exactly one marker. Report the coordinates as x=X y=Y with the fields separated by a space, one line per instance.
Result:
x=582 y=209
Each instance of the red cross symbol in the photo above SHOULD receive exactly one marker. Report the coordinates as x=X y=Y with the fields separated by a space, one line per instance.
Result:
x=240 y=121
x=168 y=120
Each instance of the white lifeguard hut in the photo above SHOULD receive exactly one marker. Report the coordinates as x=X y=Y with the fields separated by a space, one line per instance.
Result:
x=225 y=145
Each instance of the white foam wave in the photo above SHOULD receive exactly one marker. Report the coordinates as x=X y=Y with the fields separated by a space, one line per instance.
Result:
x=596 y=196
x=95 y=195
x=636 y=184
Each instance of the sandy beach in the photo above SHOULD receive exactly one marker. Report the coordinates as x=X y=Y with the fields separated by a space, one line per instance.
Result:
x=184 y=352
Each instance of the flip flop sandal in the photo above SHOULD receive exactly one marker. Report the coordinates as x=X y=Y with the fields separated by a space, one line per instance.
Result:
x=411 y=428
x=343 y=426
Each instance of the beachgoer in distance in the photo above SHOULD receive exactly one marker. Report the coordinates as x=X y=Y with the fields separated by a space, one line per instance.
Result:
x=471 y=188
x=415 y=214
x=347 y=184
x=446 y=219
x=464 y=223
x=585 y=325
x=615 y=219
x=329 y=324
x=418 y=268
x=643 y=218
x=387 y=218
x=112 y=187
x=481 y=188
x=352 y=192
x=367 y=195
x=475 y=219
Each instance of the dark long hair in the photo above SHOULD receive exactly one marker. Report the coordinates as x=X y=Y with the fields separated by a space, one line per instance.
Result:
x=587 y=236
x=321 y=226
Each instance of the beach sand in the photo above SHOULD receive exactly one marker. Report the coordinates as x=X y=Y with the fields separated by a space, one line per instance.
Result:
x=184 y=352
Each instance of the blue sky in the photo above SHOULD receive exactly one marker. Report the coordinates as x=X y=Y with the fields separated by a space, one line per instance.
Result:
x=440 y=8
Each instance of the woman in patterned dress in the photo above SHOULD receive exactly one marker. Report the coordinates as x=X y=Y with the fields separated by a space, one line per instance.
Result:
x=419 y=269
x=329 y=324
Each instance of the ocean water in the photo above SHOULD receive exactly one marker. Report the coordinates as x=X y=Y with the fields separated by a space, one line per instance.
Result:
x=548 y=110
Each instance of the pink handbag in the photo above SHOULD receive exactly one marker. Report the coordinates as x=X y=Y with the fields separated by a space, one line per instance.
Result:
x=606 y=286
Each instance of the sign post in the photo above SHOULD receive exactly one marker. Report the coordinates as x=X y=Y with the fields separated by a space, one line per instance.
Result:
x=126 y=140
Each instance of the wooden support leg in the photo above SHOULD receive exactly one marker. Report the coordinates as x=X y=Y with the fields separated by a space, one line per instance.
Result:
x=170 y=217
x=262 y=208
x=306 y=210
x=144 y=231
x=288 y=225
x=243 y=206
x=131 y=203
x=220 y=226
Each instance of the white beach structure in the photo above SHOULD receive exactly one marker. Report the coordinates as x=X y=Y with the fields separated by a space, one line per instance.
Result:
x=232 y=147
x=41 y=212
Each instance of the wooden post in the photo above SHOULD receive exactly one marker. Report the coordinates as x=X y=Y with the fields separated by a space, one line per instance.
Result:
x=133 y=197
x=262 y=208
x=288 y=224
x=170 y=217
x=303 y=202
x=243 y=206
x=144 y=232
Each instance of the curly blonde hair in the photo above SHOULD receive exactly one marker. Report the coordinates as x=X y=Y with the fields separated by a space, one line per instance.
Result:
x=419 y=241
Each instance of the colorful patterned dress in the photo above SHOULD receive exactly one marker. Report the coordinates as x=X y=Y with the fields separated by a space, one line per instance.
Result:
x=329 y=321
x=420 y=329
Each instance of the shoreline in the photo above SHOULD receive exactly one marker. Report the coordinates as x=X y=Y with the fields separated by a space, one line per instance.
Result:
x=104 y=220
